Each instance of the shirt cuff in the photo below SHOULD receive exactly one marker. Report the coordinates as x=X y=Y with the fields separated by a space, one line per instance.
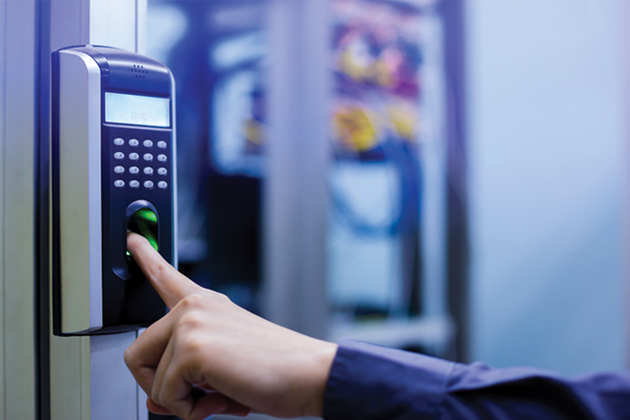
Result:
x=369 y=382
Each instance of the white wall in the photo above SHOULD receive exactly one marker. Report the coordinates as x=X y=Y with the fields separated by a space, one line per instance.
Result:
x=547 y=189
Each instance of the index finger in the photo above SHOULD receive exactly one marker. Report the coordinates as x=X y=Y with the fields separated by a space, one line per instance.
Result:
x=171 y=285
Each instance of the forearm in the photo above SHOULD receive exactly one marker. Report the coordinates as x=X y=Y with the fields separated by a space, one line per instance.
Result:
x=368 y=382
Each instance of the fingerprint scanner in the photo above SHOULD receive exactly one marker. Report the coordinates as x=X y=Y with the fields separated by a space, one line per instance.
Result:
x=144 y=222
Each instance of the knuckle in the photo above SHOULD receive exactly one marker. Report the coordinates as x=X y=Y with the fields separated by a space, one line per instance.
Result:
x=217 y=298
x=191 y=320
x=128 y=357
x=133 y=357
x=192 y=301
x=159 y=269
x=223 y=297
x=155 y=396
x=165 y=399
x=190 y=346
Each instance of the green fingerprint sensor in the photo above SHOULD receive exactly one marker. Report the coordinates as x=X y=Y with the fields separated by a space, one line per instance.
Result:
x=145 y=222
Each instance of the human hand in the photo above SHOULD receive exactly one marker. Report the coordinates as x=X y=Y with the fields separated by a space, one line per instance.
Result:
x=208 y=356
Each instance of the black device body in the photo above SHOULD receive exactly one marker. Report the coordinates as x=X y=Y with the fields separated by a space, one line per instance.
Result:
x=136 y=171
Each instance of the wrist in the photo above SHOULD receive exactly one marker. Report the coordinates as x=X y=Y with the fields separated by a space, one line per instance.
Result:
x=322 y=363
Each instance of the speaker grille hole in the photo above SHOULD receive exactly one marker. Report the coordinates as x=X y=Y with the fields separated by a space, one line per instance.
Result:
x=139 y=71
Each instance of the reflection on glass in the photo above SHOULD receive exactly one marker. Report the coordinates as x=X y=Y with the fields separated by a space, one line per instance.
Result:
x=216 y=50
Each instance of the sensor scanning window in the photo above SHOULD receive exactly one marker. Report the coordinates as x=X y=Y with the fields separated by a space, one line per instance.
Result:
x=145 y=222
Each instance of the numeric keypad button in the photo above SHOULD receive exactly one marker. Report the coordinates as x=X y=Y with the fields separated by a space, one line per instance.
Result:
x=119 y=155
x=148 y=185
x=148 y=170
x=134 y=142
x=148 y=157
x=119 y=169
x=161 y=144
x=147 y=143
x=134 y=156
x=119 y=183
x=134 y=184
x=119 y=141
x=162 y=171
x=162 y=158
x=162 y=185
x=134 y=170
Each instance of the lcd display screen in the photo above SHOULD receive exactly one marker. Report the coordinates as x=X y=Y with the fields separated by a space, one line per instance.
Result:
x=137 y=110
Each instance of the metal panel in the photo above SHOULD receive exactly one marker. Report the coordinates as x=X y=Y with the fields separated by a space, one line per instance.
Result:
x=112 y=396
x=18 y=217
x=68 y=23
x=458 y=252
x=79 y=169
x=174 y=158
x=141 y=32
x=295 y=197
x=67 y=364
x=3 y=48
x=113 y=23
x=626 y=204
x=79 y=366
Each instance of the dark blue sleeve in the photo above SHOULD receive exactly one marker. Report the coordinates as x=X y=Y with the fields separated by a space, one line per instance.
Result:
x=374 y=383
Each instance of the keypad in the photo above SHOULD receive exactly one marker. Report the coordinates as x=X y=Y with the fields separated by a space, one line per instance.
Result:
x=141 y=163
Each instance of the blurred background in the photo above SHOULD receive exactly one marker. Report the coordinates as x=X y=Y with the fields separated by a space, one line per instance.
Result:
x=442 y=176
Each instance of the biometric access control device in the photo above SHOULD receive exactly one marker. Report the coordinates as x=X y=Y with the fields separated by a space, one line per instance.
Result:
x=113 y=170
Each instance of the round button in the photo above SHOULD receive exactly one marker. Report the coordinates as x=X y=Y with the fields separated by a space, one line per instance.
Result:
x=162 y=185
x=118 y=141
x=119 y=169
x=147 y=143
x=119 y=183
x=134 y=184
x=148 y=184
x=119 y=155
x=134 y=170
x=162 y=158
x=148 y=157
x=134 y=142
x=161 y=144
x=162 y=171
x=134 y=156
x=148 y=170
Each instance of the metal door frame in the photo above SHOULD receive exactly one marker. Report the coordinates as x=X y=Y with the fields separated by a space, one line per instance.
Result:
x=78 y=377
x=17 y=122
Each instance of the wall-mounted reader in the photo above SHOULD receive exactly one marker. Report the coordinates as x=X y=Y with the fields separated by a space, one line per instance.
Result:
x=113 y=169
